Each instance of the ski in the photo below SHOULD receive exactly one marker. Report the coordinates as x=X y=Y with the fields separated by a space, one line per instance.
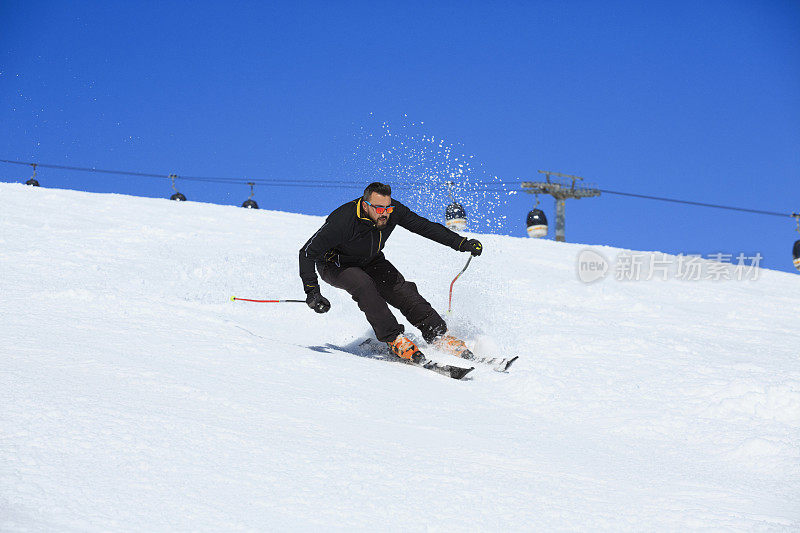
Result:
x=453 y=346
x=500 y=364
x=455 y=372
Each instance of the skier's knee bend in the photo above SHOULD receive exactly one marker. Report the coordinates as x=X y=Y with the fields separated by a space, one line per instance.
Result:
x=407 y=298
x=410 y=288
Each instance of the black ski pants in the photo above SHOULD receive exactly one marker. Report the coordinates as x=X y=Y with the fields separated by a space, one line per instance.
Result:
x=376 y=286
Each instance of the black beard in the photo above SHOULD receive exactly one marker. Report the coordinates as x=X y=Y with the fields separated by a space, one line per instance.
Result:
x=381 y=222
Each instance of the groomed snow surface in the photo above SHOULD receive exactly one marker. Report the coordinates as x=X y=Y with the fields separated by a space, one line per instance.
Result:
x=135 y=396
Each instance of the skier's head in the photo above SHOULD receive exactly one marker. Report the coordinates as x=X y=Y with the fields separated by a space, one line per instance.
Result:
x=377 y=203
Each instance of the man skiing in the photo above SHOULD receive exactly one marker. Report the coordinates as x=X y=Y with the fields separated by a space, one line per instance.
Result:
x=347 y=251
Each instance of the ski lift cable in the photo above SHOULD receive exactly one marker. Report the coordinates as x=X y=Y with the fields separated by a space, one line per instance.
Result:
x=314 y=183
x=678 y=201
x=310 y=183
x=212 y=179
x=701 y=204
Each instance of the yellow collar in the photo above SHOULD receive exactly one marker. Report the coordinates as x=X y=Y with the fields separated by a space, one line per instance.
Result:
x=358 y=211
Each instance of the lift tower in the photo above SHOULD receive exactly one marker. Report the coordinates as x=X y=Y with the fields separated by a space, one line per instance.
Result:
x=560 y=189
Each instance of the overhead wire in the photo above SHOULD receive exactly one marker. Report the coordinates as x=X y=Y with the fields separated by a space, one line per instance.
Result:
x=316 y=183
x=310 y=183
x=209 y=179
x=685 y=202
x=700 y=204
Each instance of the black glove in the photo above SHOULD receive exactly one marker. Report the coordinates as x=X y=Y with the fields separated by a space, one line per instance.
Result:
x=317 y=301
x=472 y=246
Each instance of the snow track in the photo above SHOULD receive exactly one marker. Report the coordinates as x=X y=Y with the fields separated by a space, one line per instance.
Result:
x=135 y=396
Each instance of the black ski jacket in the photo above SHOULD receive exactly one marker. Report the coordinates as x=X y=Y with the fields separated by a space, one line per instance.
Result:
x=350 y=238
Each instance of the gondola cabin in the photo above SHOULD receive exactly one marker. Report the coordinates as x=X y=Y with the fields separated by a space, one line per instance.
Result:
x=537 y=224
x=796 y=254
x=250 y=203
x=455 y=217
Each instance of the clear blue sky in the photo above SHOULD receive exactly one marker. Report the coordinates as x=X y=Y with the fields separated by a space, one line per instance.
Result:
x=693 y=100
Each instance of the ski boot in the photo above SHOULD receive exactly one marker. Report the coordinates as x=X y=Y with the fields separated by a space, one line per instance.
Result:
x=453 y=346
x=403 y=348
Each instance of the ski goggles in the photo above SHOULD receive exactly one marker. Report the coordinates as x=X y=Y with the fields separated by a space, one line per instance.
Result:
x=381 y=209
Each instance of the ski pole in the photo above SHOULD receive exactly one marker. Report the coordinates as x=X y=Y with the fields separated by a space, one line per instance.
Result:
x=234 y=298
x=450 y=302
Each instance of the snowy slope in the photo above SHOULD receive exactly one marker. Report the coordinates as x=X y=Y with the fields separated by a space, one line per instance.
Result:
x=135 y=396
